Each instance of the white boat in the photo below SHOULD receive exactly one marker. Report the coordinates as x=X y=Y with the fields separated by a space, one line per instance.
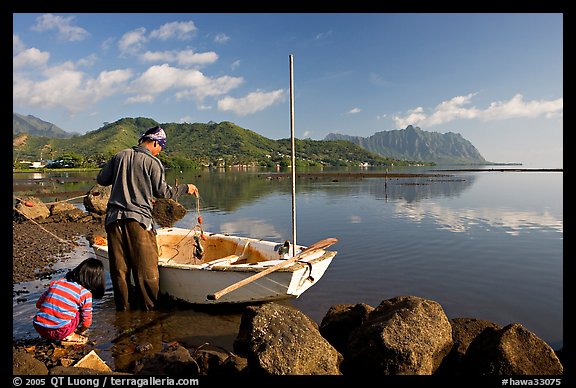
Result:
x=197 y=270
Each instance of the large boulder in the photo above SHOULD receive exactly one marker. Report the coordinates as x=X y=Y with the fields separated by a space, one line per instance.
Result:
x=512 y=350
x=341 y=320
x=31 y=208
x=281 y=340
x=406 y=335
x=464 y=331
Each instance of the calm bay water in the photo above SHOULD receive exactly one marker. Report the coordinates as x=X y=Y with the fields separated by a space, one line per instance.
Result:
x=486 y=245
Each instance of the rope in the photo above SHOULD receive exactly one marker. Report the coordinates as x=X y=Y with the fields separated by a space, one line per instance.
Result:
x=72 y=244
x=198 y=218
x=47 y=231
x=198 y=226
x=65 y=200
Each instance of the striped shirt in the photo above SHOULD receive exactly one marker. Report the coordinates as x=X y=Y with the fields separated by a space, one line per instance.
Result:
x=61 y=301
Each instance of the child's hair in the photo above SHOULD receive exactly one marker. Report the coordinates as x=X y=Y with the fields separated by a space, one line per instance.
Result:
x=90 y=275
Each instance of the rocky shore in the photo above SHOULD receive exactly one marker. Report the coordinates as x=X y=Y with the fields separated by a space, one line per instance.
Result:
x=406 y=335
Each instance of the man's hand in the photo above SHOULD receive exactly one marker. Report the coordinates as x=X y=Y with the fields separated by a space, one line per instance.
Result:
x=192 y=189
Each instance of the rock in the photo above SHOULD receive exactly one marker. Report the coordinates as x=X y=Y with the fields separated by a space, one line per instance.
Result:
x=30 y=208
x=405 y=335
x=65 y=211
x=94 y=362
x=464 y=331
x=73 y=370
x=512 y=350
x=24 y=363
x=341 y=320
x=175 y=361
x=216 y=361
x=232 y=366
x=281 y=340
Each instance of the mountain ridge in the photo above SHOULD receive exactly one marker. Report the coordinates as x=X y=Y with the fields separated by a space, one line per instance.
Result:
x=226 y=143
x=413 y=143
x=194 y=145
x=37 y=127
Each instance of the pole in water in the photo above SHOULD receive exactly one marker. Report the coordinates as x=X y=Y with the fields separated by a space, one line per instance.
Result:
x=293 y=157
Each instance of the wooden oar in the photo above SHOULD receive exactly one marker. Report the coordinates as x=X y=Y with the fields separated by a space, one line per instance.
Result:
x=322 y=244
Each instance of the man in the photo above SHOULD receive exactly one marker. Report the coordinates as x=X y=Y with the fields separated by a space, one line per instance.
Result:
x=137 y=178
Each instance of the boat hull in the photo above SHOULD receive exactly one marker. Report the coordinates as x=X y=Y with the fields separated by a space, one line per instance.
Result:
x=228 y=260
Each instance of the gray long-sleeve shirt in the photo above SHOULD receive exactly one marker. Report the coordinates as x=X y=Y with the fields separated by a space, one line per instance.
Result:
x=137 y=177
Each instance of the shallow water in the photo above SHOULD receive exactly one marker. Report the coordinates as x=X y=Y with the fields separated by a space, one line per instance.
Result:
x=486 y=245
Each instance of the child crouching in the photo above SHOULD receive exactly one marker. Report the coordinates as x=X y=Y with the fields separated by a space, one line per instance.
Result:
x=65 y=308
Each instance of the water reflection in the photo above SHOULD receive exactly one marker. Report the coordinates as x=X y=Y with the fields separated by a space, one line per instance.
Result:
x=230 y=191
x=461 y=220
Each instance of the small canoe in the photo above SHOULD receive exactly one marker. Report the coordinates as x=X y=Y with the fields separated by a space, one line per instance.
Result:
x=191 y=268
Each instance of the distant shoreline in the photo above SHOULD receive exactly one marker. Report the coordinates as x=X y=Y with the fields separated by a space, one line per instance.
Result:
x=508 y=169
x=435 y=173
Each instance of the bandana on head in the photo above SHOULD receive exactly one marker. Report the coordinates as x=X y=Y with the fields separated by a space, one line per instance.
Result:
x=156 y=134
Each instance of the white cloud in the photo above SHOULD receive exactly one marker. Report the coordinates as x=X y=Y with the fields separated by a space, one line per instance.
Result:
x=132 y=41
x=31 y=57
x=158 y=56
x=157 y=79
x=454 y=109
x=108 y=82
x=189 y=57
x=212 y=87
x=221 y=38
x=179 y=30
x=323 y=35
x=186 y=57
x=353 y=111
x=88 y=61
x=65 y=87
x=414 y=116
x=516 y=107
x=235 y=65
x=63 y=25
x=251 y=103
x=17 y=44
x=189 y=83
x=139 y=99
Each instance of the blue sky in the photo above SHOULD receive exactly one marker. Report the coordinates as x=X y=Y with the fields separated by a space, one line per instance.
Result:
x=494 y=78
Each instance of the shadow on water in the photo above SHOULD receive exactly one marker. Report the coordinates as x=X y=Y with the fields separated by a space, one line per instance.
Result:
x=123 y=338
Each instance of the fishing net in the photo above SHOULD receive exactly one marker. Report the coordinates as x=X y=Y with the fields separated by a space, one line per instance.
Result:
x=167 y=212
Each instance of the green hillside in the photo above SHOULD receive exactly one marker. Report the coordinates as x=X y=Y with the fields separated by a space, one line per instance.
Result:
x=192 y=145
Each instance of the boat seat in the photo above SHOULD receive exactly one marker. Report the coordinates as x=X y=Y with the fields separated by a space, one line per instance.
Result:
x=224 y=261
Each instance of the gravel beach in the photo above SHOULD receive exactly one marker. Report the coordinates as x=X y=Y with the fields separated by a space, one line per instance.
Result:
x=36 y=247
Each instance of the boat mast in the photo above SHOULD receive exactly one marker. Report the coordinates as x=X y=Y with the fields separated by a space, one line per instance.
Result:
x=293 y=157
